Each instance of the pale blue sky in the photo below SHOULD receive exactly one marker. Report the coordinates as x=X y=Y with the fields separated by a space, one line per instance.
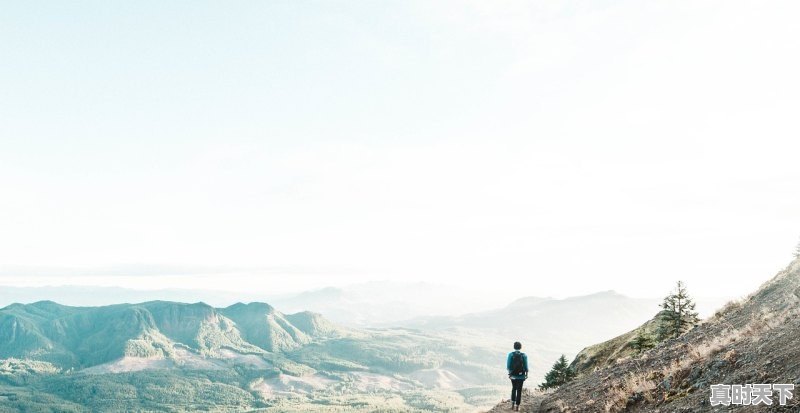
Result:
x=581 y=145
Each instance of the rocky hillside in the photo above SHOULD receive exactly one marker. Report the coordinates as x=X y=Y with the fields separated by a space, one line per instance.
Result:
x=608 y=352
x=752 y=341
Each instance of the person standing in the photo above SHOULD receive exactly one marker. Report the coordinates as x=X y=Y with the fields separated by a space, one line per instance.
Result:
x=517 y=366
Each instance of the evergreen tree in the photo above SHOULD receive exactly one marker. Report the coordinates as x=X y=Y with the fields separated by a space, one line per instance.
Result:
x=677 y=315
x=797 y=251
x=643 y=341
x=560 y=373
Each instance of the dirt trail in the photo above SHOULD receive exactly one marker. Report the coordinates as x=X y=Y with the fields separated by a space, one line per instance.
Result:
x=531 y=403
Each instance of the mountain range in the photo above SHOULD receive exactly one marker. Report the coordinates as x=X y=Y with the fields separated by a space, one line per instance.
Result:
x=364 y=304
x=78 y=337
x=168 y=356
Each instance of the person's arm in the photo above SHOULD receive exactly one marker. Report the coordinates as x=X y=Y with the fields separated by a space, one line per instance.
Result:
x=508 y=363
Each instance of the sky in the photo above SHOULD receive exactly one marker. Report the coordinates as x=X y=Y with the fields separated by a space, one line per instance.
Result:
x=523 y=148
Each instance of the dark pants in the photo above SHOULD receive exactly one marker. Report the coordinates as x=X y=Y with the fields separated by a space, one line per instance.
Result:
x=516 y=390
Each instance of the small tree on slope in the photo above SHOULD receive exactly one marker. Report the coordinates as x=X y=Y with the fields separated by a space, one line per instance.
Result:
x=678 y=315
x=643 y=341
x=558 y=375
x=797 y=251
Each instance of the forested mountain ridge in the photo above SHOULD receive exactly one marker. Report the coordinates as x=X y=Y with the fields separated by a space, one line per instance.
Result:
x=168 y=356
x=80 y=337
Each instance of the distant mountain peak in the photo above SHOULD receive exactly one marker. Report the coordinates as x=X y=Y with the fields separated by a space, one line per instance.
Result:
x=528 y=301
x=252 y=306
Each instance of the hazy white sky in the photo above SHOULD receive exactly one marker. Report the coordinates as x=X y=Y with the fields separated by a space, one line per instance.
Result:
x=564 y=147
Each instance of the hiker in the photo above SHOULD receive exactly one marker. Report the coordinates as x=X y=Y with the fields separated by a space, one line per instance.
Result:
x=517 y=366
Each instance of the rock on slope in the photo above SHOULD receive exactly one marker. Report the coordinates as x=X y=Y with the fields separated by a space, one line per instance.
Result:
x=753 y=341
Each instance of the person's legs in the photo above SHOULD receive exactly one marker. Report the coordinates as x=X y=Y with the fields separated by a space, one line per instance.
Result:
x=516 y=393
